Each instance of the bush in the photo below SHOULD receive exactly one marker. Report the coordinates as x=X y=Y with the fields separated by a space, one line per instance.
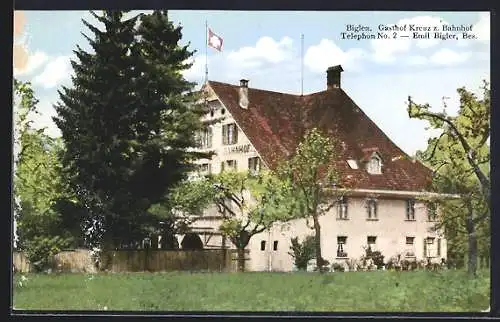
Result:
x=375 y=256
x=41 y=250
x=336 y=267
x=325 y=266
x=303 y=252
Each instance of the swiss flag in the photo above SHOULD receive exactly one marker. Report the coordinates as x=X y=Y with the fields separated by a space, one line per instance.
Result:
x=214 y=41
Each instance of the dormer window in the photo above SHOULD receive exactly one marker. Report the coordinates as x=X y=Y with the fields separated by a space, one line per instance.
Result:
x=374 y=165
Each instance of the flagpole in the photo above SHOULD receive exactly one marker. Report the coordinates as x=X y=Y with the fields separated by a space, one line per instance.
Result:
x=206 y=51
x=301 y=64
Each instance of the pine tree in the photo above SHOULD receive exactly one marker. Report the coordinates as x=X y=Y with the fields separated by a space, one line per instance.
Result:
x=126 y=124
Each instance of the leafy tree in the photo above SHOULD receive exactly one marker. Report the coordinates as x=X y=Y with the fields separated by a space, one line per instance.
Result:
x=312 y=175
x=128 y=122
x=37 y=184
x=460 y=157
x=302 y=252
x=248 y=204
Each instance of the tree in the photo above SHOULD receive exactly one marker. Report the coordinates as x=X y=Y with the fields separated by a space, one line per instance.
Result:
x=313 y=176
x=127 y=121
x=248 y=204
x=302 y=252
x=460 y=157
x=37 y=184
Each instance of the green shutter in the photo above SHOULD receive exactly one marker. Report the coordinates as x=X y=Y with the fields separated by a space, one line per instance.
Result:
x=222 y=164
x=439 y=247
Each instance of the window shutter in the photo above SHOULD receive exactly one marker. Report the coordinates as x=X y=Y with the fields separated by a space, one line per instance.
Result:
x=222 y=164
x=375 y=206
x=210 y=136
x=425 y=248
x=345 y=203
x=224 y=134
x=235 y=134
x=439 y=247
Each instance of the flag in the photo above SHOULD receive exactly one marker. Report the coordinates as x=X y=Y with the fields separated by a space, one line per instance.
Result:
x=214 y=41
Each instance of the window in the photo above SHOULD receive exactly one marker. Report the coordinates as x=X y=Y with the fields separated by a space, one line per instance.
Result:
x=229 y=164
x=371 y=240
x=223 y=111
x=341 y=242
x=263 y=245
x=254 y=165
x=371 y=206
x=410 y=240
x=205 y=168
x=374 y=166
x=205 y=138
x=410 y=209
x=342 y=208
x=410 y=247
x=229 y=134
x=431 y=211
x=429 y=247
x=275 y=245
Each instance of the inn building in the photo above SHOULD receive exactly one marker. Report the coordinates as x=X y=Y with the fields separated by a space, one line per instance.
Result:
x=382 y=209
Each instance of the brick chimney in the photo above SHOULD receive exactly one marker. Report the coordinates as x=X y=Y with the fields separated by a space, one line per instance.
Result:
x=243 y=94
x=333 y=77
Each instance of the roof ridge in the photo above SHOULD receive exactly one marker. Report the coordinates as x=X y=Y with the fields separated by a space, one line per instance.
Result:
x=259 y=89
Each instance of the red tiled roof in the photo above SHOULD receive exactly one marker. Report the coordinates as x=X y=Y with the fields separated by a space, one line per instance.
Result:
x=276 y=122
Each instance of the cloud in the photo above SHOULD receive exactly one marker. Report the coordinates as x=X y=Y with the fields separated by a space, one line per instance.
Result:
x=482 y=28
x=266 y=50
x=447 y=56
x=56 y=71
x=417 y=60
x=33 y=62
x=197 y=70
x=319 y=57
x=385 y=50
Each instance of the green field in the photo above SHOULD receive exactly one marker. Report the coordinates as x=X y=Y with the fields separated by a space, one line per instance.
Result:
x=418 y=291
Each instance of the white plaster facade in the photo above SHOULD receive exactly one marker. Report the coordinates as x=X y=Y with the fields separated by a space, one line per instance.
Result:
x=269 y=250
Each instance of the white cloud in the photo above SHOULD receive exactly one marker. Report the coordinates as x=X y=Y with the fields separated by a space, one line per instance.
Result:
x=417 y=60
x=197 y=70
x=35 y=61
x=57 y=70
x=482 y=28
x=385 y=50
x=447 y=56
x=319 y=57
x=265 y=50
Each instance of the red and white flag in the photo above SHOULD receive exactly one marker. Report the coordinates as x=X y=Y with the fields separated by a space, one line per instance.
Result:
x=214 y=41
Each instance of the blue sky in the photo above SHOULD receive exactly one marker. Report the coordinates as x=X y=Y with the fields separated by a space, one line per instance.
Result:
x=264 y=47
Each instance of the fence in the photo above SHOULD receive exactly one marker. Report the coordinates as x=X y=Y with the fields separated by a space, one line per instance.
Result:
x=151 y=260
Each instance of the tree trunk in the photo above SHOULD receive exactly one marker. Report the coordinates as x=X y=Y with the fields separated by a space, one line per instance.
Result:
x=317 y=244
x=241 y=259
x=472 y=241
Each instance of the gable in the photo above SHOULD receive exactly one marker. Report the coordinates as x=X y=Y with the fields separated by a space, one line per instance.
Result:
x=276 y=122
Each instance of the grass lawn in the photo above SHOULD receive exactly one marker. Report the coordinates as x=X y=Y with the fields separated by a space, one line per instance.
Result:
x=419 y=291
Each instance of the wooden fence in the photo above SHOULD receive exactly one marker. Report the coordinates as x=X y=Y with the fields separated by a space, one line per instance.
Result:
x=151 y=260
